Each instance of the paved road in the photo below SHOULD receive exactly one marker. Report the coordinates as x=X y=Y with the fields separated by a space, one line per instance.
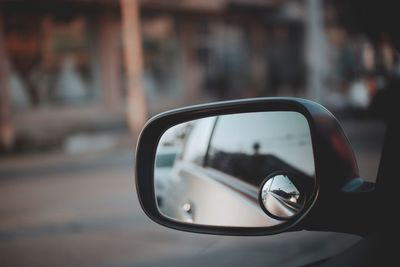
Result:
x=58 y=210
x=276 y=205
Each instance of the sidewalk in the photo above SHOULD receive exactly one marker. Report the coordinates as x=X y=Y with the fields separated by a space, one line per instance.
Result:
x=78 y=152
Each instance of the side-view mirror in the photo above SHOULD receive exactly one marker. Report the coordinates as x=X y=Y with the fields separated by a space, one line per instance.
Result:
x=248 y=167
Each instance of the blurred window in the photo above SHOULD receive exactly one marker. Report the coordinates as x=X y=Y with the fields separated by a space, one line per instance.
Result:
x=162 y=58
x=251 y=146
x=197 y=143
x=51 y=60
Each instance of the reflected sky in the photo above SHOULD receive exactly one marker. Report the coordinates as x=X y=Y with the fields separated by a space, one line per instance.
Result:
x=283 y=134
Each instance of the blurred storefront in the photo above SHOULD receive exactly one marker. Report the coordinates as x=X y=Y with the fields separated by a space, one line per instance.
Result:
x=62 y=62
x=64 y=69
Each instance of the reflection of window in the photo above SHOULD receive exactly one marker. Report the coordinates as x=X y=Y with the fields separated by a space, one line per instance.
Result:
x=251 y=146
x=196 y=145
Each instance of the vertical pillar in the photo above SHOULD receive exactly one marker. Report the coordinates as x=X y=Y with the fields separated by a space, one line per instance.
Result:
x=7 y=132
x=257 y=58
x=316 y=49
x=190 y=64
x=109 y=59
x=133 y=57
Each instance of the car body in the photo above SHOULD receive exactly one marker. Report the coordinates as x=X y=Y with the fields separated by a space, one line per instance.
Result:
x=164 y=162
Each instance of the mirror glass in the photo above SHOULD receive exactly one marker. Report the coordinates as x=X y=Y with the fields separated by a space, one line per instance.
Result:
x=280 y=197
x=210 y=171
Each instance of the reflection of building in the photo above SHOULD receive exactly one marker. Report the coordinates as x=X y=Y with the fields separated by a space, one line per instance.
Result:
x=252 y=169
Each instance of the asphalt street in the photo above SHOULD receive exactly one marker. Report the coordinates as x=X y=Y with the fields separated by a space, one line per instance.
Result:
x=82 y=210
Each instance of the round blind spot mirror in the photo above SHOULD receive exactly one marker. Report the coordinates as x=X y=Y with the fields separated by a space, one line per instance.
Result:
x=280 y=198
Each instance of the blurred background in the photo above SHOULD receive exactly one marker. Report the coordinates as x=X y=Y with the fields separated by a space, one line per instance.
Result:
x=78 y=79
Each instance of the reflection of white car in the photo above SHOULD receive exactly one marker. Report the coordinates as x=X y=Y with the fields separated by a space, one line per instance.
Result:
x=164 y=162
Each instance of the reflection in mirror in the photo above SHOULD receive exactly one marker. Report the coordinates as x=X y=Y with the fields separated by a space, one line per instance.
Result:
x=281 y=198
x=210 y=171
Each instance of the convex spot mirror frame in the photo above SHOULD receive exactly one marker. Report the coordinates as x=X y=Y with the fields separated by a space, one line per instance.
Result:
x=329 y=145
x=280 y=197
